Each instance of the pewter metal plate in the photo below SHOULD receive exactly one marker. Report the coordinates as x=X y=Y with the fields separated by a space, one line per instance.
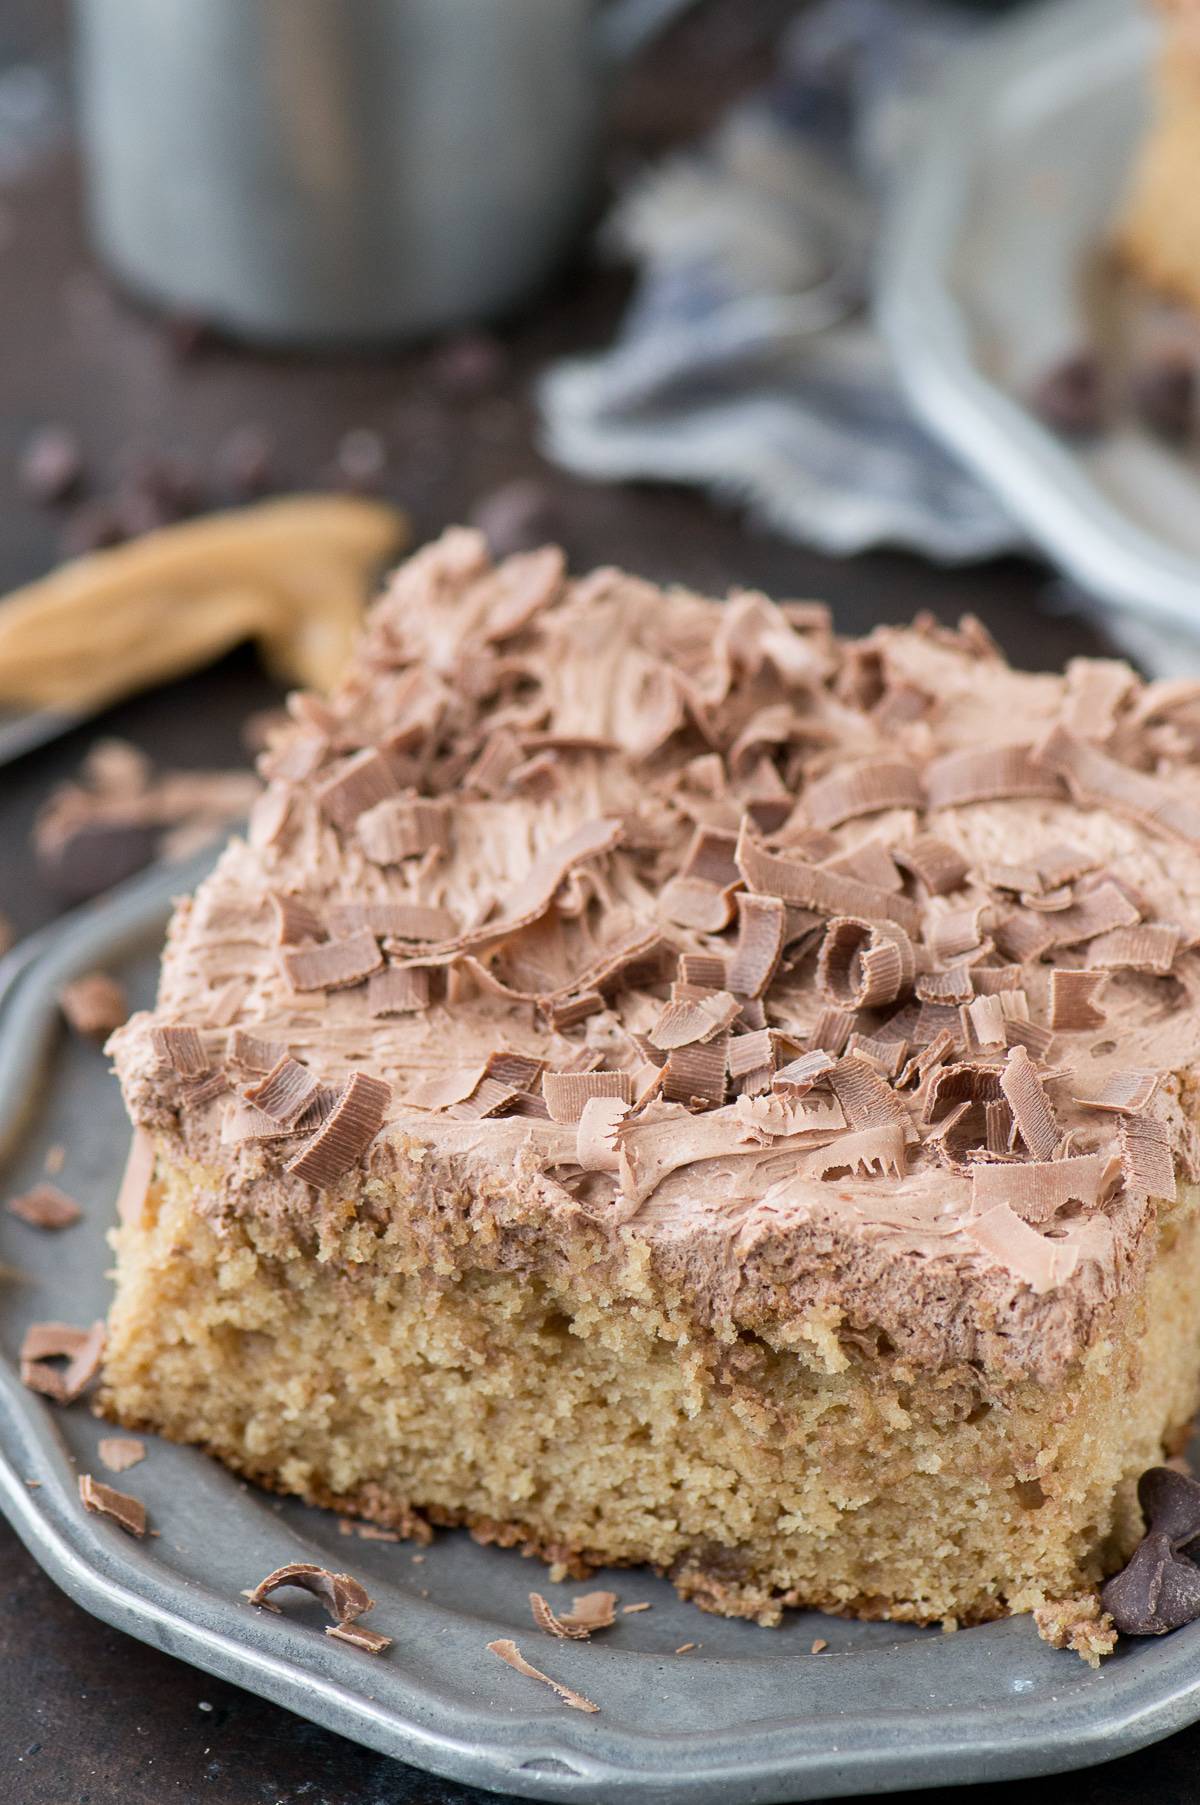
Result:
x=748 y=1715
x=989 y=273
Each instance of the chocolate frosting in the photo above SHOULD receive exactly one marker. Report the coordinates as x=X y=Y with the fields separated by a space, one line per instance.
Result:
x=649 y=836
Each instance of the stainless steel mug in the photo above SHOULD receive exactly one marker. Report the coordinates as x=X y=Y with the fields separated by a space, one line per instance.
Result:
x=305 y=171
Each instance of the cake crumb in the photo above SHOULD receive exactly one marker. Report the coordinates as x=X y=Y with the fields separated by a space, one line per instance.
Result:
x=417 y=1559
x=1079 y=1624
x=627 y=1610
x=818 y=1645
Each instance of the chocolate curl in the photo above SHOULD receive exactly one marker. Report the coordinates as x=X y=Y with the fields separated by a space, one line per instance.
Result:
x=864 y=964
x=865 y=789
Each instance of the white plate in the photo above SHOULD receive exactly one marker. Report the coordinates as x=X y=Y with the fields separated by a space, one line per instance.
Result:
x=983 y=284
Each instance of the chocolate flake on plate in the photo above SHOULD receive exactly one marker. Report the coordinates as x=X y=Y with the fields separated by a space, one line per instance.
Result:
x=82 y=1349
x=45 y=1206
x=344 y=1598
x=105 y=1501
x=591 y=1611
x=120 y=1452
x=94 y=1005
x=508 y=1651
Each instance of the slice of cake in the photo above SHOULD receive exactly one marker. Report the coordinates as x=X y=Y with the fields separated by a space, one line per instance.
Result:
x=1160 y=232
x=663 y=1083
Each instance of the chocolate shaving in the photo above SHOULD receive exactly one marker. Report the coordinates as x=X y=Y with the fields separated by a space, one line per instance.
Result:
x=881 y=1150
x=924 y=1062
x=393 y=920
x=762 y=922
x=491 y=1097
x=364 y=780
x=867 y=1101
x=1148 y=947
x=592 y=1611
x=863 y=965
x=700 y=895
x=295 y=921
x=987 y=774
x=696 y=1073
x=45 y=1206
x=105 y=1501
x=120 y=1452
x=1041 y=1264
x=182 y=1049
x=832 y=1030
x=933 y=862
x=887 y=1056
x=255 y=1054
x=342 y=1595
x=284 y=1092
x=1036 y=1189
x=1073 y=999
x=1122 y=1093
x=1029 y=1103
x=797 y=1078
x=402 y=828
x=94 y=1005
x=337 y=965
x=398 y=990
x=359 y=1636
x=566 y=1093
x=508 y=1651
x=82 y=1349
x=949 y=933
x=706 y=970
x=871 y=863
x=983 y=1024
x=816 y=887
x=1098 y=912
x=687 y=1020
x=345 y=1134
x=953 y=987
x=595 y=1138
x=1099 y=781
x=865 y=789
x=1146 y=1158
x=1024 y=936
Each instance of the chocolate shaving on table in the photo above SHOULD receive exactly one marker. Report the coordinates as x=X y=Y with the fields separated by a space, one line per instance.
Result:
x=591 y=1611
x=345 y=1134
x=284 y=1092
x=403 y=828
x=1037 y=1189
x=1026 y=1095
x=685 y=1021
x=1146 y=1160
x=45 y=1206
x=881 y=1151
x=816 y=887
x=697 y=1073
x=1121 y=1093
x=566 y=1093
x=863 y=964
x=1073 y=995
x=866 y=789
x=933 y=862
x=120 y=1452
x=762 y=924
x=1099 y=781
x=508 y=1651
x=94 y=1005
x=105 y=1501
x=181 y=1048
x=336 y=965
x=398 y=990
x=82 y=1349
x=295 y=921
x=987 y=774
x=1150 y=947
x=365 y=780
x=392 y=920
x=255 y=1054
x=343 y=1596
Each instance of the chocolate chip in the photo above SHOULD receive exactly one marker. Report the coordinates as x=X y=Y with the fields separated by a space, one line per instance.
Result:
x=1069 y=397
x=516 y=517
x=94 y=858
x=1164 y=395
x=1170 y=1502
x=1158 y=1591
x=51 y=465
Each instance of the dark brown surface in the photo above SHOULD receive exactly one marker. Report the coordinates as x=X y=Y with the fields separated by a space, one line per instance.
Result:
x=88 y=1716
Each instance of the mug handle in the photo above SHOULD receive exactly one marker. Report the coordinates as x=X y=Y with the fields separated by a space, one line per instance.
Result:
x=624 y=26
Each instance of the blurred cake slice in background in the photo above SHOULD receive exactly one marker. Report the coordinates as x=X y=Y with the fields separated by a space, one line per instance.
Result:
x=1160 y=233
